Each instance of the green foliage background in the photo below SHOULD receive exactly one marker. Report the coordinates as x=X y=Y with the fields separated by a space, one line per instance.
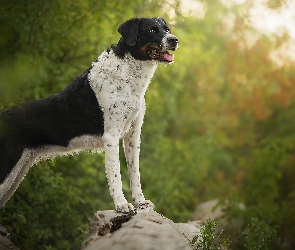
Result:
x=219 y=122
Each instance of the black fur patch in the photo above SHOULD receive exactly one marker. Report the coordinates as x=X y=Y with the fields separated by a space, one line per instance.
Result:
x=52 y=121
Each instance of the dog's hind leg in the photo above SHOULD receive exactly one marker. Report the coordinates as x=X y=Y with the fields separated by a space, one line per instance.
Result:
x=16 y=175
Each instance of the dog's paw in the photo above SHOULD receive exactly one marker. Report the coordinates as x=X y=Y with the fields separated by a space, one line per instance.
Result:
x=126 y=208
x=146 y=205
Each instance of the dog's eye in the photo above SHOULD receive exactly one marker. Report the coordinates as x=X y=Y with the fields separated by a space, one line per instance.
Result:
x=153 y=30
x=167 y=29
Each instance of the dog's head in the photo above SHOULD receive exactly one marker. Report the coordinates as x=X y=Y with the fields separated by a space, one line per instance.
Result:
x=148 y=39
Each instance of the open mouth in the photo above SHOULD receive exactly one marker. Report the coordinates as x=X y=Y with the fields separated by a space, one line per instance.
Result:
x=161 y=56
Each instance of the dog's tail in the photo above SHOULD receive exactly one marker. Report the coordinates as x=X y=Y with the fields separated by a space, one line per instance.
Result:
x=10 y=152
x=11 y=147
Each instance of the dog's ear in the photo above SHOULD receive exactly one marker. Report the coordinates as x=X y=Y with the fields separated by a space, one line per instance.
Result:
x=162 y=19
x=129 y=31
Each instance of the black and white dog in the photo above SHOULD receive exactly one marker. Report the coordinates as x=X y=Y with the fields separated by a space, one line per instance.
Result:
x=101 y=106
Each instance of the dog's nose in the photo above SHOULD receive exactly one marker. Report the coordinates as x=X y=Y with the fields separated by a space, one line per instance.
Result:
x=173 y=41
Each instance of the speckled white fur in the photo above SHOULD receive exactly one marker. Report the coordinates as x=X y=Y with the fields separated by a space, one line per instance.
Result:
x=120 y=85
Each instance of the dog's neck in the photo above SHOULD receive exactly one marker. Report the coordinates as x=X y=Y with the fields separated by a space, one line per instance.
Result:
x=122 y=72
x=122 y=48
x=140 y=72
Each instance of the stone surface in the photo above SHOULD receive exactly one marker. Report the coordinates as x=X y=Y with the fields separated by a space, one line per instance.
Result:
x=5 y=243
x=146 y=230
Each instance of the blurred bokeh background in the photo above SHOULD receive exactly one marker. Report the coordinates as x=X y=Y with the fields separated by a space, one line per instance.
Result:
x=220 y=121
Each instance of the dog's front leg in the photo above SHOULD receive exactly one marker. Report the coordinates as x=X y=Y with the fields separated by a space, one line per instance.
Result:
x=131 y=143
x=112 y=164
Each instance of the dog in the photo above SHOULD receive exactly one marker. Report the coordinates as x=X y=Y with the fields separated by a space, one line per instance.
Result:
x=93 y=112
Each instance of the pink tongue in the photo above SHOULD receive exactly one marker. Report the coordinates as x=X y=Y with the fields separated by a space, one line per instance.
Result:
x=168 y=57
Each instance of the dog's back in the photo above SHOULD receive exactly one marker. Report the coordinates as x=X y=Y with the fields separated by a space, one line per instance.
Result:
x=51 y=121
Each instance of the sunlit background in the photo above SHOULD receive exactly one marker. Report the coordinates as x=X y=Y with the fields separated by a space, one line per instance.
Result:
x=219 y=125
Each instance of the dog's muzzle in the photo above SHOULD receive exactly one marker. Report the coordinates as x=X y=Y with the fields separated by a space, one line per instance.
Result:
x=170 y=42
x=160 y=53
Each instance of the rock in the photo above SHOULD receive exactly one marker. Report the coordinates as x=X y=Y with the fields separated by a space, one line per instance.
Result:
x=145 y=230
x=5 y=243
x=213 y=210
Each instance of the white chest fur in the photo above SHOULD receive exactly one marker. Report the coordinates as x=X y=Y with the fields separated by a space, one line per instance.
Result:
x=119 y=86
